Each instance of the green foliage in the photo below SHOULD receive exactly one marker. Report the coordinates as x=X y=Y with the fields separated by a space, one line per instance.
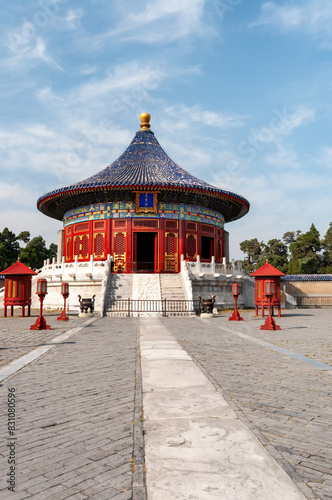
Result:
x=296 y=253
x=52 y=251
x=305 y=257
x=24 y=236
x=35 y=252
x=276 y=253
x=253 y=249
x=291 y=236
x=9 y=248
x=33 y=255
x=327 y=246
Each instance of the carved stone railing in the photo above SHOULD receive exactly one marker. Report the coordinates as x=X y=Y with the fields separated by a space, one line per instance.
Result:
x=199 y=268
x=73 y=270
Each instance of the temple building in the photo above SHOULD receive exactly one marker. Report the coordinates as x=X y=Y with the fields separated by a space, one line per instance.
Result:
x=145 y=211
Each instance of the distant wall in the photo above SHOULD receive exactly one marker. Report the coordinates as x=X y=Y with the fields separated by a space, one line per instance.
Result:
x=308 y=290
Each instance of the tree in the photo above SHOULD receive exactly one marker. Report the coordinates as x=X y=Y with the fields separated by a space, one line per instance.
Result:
x=52 y=251
x=327 y=245
x=24 y=236
x=35 y=252
x=305 y=257
x=252 y=248
x=276 y=253
x=9 y=248
x=291 y=236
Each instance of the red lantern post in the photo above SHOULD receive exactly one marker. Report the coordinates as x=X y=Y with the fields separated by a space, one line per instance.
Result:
x=65 y=295
x=235 y=292
x=269 y=324
x=41 y=292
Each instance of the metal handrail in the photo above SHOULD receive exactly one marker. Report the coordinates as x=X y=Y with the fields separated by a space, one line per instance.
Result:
x=163 y=306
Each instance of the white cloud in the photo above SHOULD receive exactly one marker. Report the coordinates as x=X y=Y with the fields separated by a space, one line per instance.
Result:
x=284 y=157
x=281 y=125
x=123 y=79
x=31 y=220
x=310 y=16
x=88 y=70
x=17 y=192
x=196 y=114
x=161 y=21
x=72 y=18
x=325 y=157
x=39 y=52
x=67 y=154
x=26 y=47
x=183 y=17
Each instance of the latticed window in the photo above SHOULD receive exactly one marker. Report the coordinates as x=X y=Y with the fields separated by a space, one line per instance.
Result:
x=191 y=226
x=145 y=223
x=119 y=244
x=191 y=246
x=208 y=229
x=68 y=247
x=83 y=226
x=171 y=244
x=85 y=246
x=99 y=245
x=171 y=224
x=100 y=224
x=69 y=230
x=77 y=246
x=120 y=223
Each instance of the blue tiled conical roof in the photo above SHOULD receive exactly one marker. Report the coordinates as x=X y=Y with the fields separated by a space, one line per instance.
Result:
x=143 y=165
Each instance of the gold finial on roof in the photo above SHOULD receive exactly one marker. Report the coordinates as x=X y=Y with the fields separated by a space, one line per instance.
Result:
x=267 y=261
x=145 y=121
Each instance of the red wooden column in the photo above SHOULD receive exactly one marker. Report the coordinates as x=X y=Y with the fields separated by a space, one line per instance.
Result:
x=182 y=239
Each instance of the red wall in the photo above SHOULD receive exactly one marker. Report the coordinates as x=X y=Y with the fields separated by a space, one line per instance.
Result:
x=115 y=236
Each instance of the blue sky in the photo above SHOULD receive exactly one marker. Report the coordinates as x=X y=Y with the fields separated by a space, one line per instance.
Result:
x=240 y=94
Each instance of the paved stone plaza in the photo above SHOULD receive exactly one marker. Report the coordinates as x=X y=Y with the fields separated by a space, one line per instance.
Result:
x=287 y=403
x=79 y=406
x=75 y=414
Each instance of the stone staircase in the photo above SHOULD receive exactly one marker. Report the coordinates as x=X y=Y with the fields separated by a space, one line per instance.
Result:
x=119 y=286
x=145 y=288
x=171 y=287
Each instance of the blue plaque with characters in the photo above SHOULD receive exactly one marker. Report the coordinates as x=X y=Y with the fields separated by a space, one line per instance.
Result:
x=146 y=200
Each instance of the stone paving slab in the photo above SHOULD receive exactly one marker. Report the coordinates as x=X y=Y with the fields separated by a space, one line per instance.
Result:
x=16 y=338
x=285 y=402
x=305 y=331
x=196 y=448
x=76 y=413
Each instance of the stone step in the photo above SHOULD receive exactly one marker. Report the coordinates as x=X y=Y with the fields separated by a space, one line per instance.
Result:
x=171 y=287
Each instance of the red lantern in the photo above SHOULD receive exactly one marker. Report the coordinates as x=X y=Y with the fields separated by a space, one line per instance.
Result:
x=235 y=289
x=41 y=292
x=65 y=295
x=235 y=292
x=65 y=289
x=269 y=290
x=41 y=288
